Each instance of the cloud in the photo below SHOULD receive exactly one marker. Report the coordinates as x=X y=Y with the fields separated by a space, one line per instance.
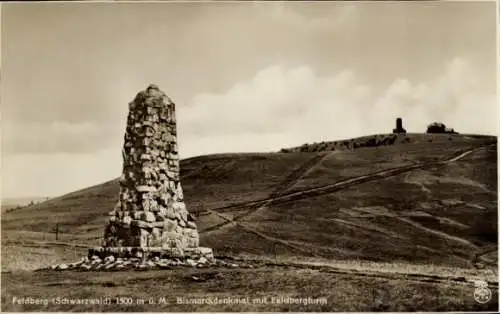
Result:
x=289 y=105
x=275 y=100
x=325 y=17
x=294 y=106
x=455 y=98
x=278 y=107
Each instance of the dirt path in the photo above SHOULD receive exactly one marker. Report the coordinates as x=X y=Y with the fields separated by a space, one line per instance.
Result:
x=438 y=233
x=342 y=185
x=456 y=158
x=312 y=192
x=287 y=183
x=296 y=175
x=282 y=187
x=330 y=188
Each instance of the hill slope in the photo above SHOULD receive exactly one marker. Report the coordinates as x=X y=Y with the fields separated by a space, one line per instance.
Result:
x=430 y=199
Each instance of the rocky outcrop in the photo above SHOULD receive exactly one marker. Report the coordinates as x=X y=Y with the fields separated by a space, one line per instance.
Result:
x=366 y=141
x=137 y=261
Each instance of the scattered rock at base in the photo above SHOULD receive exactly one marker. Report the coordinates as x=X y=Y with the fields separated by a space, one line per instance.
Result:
x=110 y=264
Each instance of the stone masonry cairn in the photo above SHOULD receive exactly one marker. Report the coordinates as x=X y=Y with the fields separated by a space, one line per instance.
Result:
x=151 y=210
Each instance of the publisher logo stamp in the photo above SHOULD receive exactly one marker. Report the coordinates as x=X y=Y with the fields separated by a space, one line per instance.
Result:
x=482 y=294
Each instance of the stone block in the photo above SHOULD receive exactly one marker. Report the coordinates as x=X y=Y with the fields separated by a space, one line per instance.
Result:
x=192 y=242
x=170 y=213
x=137 y=215
x=180 y=194
x=145 y=157
x=169 y=225
x=153 y=206
x=120 y=214
x=140 y=224
x=145 y=188
x=178 y=206
x=162 y=212
x=148 y=216
x=167 y=236
x=144 y=238
x=146 y=205
x=191 y=233
x=156 y=237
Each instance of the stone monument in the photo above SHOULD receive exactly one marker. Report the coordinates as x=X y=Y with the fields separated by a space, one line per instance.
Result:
x=150 y=217
x=399 y=127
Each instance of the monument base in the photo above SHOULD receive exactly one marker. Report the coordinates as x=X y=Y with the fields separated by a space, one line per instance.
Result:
x=141 y=258
x=146 y=253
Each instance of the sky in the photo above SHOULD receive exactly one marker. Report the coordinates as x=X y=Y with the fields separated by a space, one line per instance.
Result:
x=245 y=77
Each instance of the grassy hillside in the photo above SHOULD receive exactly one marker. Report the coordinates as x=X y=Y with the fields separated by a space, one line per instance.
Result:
x=426 y=205
x=376 y=140
x=443 y=215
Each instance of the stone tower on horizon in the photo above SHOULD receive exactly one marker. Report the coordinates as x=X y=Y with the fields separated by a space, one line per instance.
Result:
x=150 y=211
x=399 y=127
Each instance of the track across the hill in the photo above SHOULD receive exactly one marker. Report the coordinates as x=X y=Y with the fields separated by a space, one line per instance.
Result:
x=285 y=197
x=289 y=182
x=281 y=188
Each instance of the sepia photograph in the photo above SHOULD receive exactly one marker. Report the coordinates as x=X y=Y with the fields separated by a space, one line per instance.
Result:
x=249 y=156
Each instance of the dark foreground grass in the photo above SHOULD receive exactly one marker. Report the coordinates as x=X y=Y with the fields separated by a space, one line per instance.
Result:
x=161 y=289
